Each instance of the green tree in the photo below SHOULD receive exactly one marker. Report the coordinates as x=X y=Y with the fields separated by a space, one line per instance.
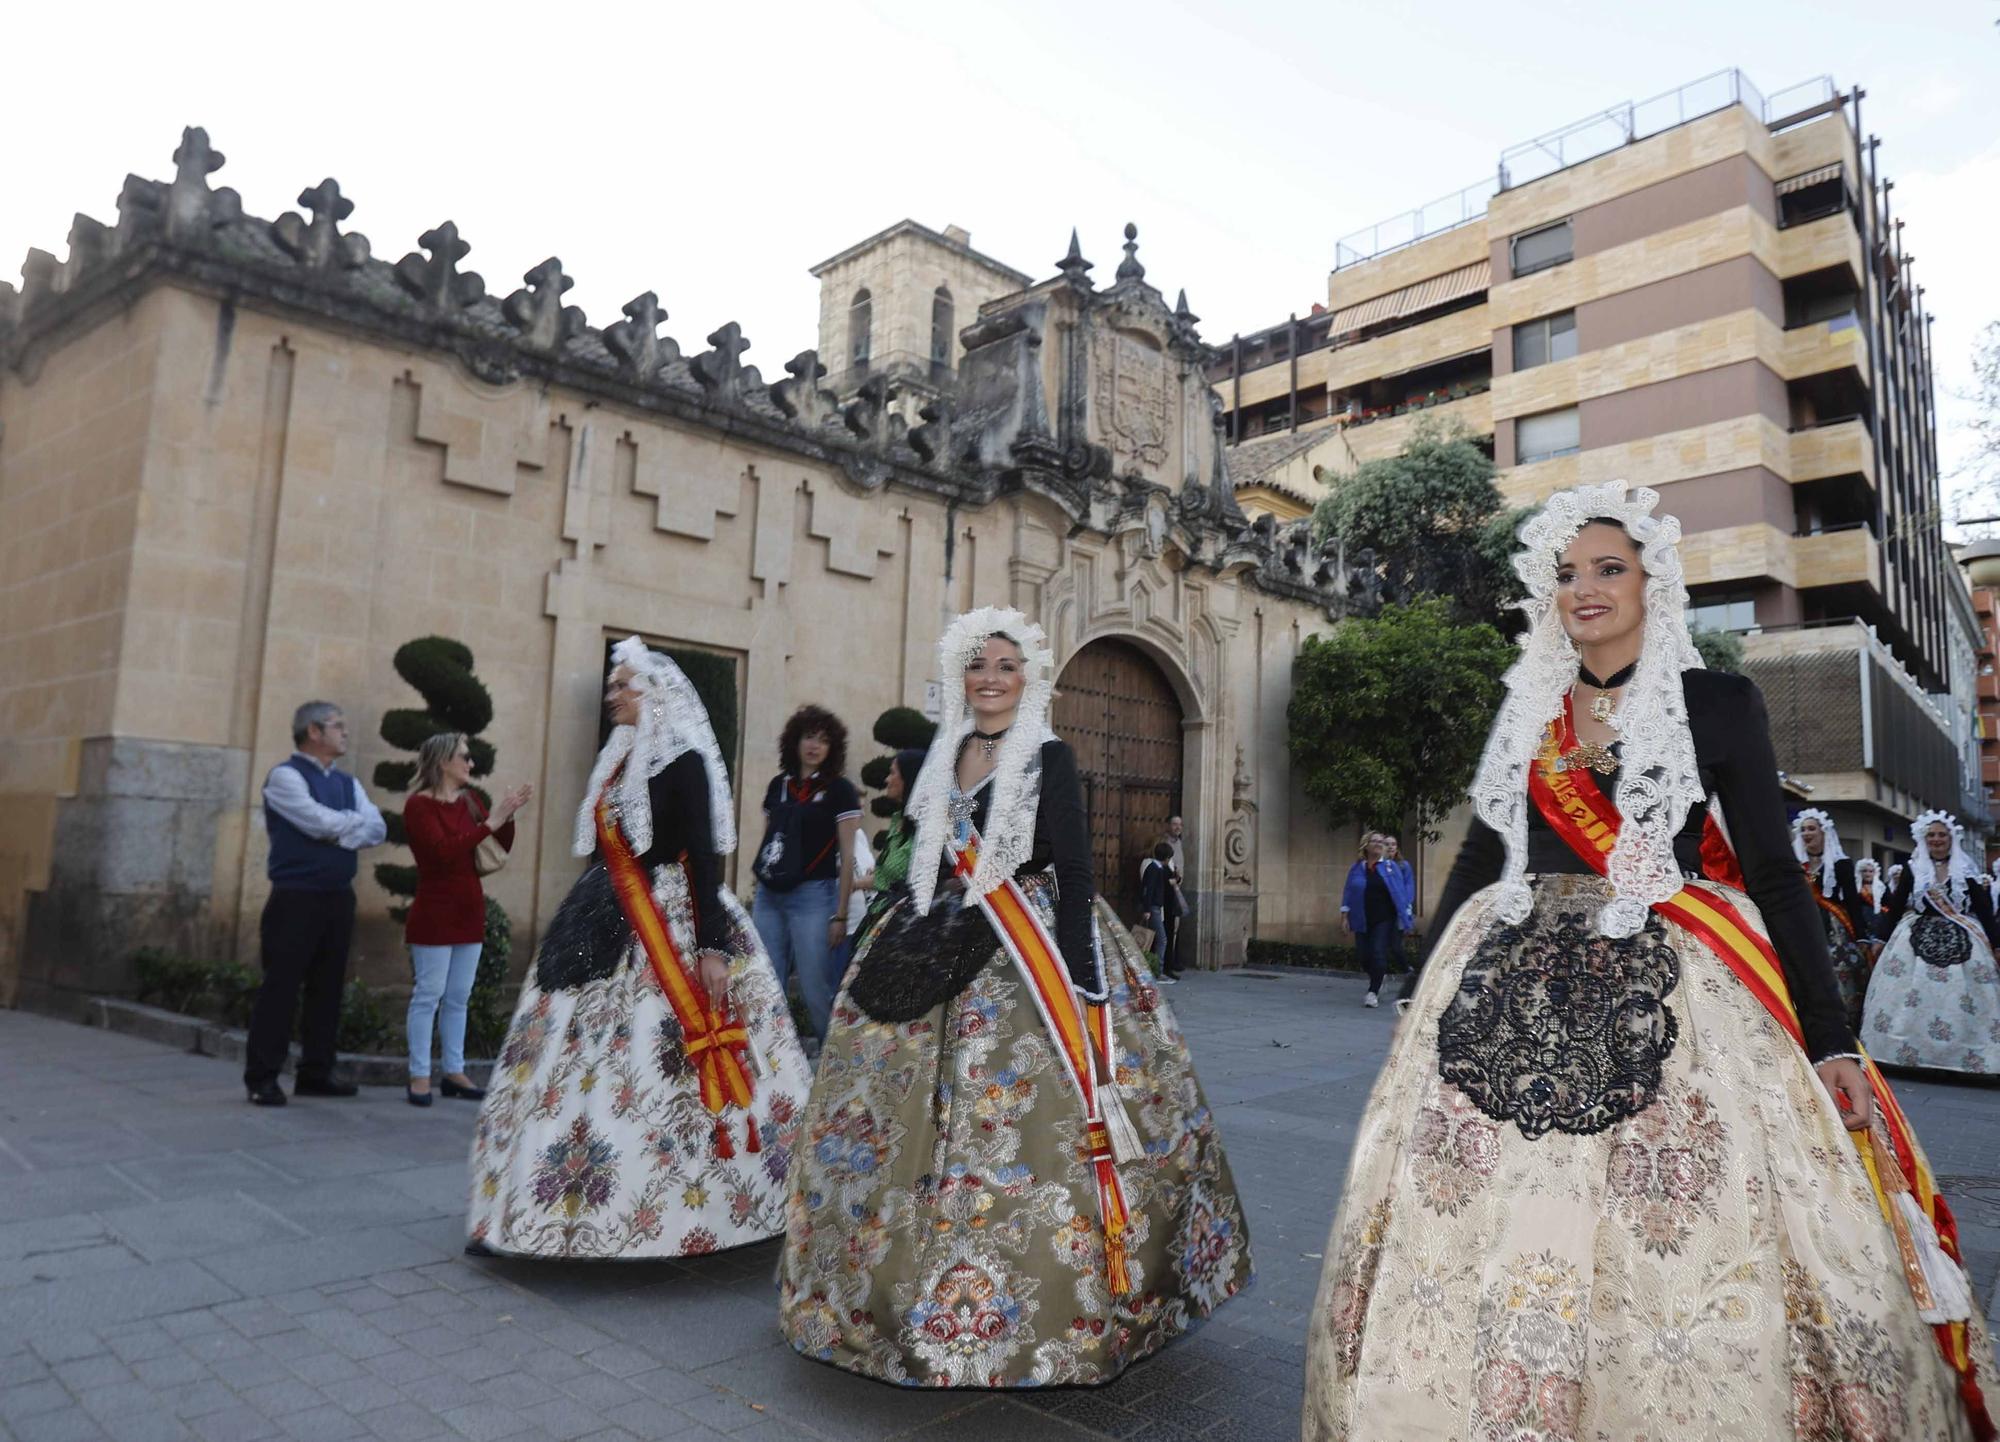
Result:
x=1433 y=520
x=1720 y=650
x=899 y=728
x=1389 y=714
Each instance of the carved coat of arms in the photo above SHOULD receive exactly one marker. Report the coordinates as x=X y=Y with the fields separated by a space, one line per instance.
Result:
x=1132 y=396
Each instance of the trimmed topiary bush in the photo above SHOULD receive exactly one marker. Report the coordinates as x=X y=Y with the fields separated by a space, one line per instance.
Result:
x=440 y=670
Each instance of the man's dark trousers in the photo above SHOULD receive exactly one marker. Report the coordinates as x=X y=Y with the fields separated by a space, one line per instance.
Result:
x=305 y=940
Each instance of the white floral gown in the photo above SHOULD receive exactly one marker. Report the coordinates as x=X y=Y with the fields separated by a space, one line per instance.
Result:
x=1934 y=997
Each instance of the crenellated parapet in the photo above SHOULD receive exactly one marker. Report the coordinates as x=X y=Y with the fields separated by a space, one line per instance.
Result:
x=1121 y=430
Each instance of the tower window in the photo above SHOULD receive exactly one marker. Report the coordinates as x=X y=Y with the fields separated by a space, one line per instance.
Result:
x=860 y=320
x=942 y=331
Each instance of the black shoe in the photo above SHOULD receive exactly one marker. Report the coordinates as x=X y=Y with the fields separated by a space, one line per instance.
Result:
x=266 y=1094
x=326 y=1087
x=416 y=1098
x=464 y=1093
x=479 y=1249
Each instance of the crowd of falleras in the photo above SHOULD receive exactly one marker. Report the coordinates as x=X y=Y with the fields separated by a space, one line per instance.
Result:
x=1629 y=1170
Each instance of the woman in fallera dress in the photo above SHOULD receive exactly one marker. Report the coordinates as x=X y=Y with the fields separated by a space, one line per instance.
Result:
x=646 y=1101
x=1624 y=1174
x=1934 y=998
x=1008 y=1175
x=1830 y=878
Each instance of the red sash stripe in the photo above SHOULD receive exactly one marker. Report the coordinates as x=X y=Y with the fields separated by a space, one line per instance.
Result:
x=1577 y=810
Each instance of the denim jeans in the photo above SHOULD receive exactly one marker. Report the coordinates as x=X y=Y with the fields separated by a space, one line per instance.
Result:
x=792 y=925
x=443 y=981
x=1156 y=918
x=1380 y=946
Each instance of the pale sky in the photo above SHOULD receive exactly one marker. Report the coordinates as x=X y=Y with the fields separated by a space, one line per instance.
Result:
x=713 y=153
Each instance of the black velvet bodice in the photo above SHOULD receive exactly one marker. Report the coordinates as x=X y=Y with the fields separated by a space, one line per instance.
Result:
x=1732 y=743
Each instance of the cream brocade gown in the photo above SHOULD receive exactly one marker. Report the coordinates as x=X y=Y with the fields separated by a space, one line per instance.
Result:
x=1934 y=997
x=593 y=1141
x=1710 y=1264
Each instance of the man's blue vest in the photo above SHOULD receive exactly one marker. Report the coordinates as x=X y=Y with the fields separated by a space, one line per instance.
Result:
x=300 y=862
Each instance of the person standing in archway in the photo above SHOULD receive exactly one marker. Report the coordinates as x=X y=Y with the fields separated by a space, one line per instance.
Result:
x=1179 y=909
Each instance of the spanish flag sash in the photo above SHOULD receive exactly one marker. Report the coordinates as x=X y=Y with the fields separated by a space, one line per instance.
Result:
x=1577 y=810
x=1827 y=904
x=1076 y=1029
x=716 y=1044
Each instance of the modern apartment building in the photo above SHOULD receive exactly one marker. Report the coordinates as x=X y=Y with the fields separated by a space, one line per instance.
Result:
x=1706 y=292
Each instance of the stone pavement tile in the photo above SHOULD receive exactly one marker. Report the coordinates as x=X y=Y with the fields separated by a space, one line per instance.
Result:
x=326 y=1206
x=104 y=1298
x=171 y=1370
x=197 y=1399
x=320 y=1366
x=404 y=1283
x=399 y=1366
x=1095 y=1414
x=600 y=1390
x=404 y=1422
x=145 y=1427
x=619 y=1359
x=668 y=1384
x=30 y=1398
x=441 y=1393
x=81 y=1145
x=324 y=1424
x=483 y=1418
x=56 y=1265
x=21 y=1368
x=830 y=1400
x=282 y=1266
x=256 y=1370
x=651 y=1421
x=283 y=1397
x=291 y=1346
x=438 y=1189
x=119 y=1399
x=140 y=1341
x=562 y=1418
x=57 y=1345
x=480 y=1363
x=725 y=1412
x=361 y=1394
x=362 y=1301
x=65 y=1424
x=319 y=1159
x=178 y=1176
x=552 y=1366
x=100 y=1371
x=195 y=1227
x=998 y=1419
x=192 y=1324
x=234 y=1424
x=520 y=1389
x=356 y=1338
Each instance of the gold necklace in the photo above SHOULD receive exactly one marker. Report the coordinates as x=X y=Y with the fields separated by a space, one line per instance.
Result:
x=1603 y=709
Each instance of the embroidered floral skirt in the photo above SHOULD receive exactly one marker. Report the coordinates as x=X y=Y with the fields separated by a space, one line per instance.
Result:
x=1850 y=969
x=942 y=1223
x=1934 y=1000
x=1599 y=1194
x=593 y=1140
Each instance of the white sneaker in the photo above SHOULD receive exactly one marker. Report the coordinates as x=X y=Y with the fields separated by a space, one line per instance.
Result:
x=1373 y=1000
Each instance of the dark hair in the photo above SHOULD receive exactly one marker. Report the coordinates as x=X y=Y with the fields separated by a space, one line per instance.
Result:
x=909 y=761
x=813 y=721
x=1162 y=851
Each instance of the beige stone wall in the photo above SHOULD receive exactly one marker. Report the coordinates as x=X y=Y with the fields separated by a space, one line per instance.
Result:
x=298 y=503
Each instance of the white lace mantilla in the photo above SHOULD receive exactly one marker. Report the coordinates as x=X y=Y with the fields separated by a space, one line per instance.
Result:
x=672 y=721
x=1008 y=839
x=1830 y=854
x=1958 y=869
x=1659 y=783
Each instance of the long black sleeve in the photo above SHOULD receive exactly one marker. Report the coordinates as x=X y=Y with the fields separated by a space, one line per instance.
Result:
x=682 y=829
x=1064 y=824
x=1898 y=900
x=1480 y=859
x=1746 y=783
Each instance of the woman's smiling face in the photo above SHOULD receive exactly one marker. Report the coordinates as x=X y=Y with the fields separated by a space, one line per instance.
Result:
x=1600 y=586
x=994 y=678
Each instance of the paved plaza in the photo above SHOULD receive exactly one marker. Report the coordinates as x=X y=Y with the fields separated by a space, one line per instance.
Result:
x=175 y=1264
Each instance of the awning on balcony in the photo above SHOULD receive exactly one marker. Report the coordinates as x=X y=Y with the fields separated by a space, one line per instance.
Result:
x=1413 y=299
x=1810 y=178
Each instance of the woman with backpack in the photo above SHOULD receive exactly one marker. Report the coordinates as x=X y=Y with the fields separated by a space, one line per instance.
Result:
x=805 y=868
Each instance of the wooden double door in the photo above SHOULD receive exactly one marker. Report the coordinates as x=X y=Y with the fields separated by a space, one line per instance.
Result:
x=1118 y=712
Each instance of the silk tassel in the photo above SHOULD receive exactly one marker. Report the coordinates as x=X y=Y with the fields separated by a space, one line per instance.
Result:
x=724 y=1148
x=1125 y=1143
x=753 y=1142
x=1950 y=1298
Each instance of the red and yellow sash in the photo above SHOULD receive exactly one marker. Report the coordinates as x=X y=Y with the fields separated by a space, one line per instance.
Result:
x=1076 y=1028
x=1827 y=904
x=1579 y=812
x=716 y=1044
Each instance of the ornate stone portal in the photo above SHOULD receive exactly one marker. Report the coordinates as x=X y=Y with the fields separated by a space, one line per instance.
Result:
x=241 y=461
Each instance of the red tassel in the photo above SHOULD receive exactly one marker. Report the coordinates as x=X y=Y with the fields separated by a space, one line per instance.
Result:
x=723 y=1147
x=754 y=1144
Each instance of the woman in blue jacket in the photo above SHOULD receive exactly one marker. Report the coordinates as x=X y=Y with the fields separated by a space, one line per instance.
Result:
x=1376 y=908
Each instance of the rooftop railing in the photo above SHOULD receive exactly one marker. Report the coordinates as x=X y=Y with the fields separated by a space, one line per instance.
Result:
x=1583 y=140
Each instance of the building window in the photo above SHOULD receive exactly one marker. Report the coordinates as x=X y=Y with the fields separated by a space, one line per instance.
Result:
x=1723 y=613
x=1542 y=437
x=860 y=320
x=942 y=331
x=1552 y=338
x=1539 y=249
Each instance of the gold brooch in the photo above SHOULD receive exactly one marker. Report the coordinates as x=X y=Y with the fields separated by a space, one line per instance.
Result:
x=1588 y=754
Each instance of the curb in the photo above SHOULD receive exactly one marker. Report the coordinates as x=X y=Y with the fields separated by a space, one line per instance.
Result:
x=206 y=1038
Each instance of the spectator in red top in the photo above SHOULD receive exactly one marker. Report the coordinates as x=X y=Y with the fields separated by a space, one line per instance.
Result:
x=447 y=923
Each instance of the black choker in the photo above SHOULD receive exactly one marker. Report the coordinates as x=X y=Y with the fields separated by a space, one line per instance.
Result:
x=989 y=743
x=1610 y=683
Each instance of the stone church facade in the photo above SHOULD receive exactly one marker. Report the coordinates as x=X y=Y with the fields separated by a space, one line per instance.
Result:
x=241 y=461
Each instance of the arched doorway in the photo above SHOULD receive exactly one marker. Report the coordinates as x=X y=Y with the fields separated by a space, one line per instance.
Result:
x=1120 y=715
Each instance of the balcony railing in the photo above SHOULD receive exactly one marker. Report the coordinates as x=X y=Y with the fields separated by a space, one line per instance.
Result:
x=1575 y=143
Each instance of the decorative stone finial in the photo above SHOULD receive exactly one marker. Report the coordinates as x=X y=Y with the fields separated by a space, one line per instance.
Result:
x=437 y=280
x=1129 y=268
x=800 y=398
x=89 y=243
x=932 y=440
x=721 y=371
x=1073 y=266
x=537 y=311
x=868 y=416
x=38 y=279
x=192 y=209
x=636 y=340
x=319 y=245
